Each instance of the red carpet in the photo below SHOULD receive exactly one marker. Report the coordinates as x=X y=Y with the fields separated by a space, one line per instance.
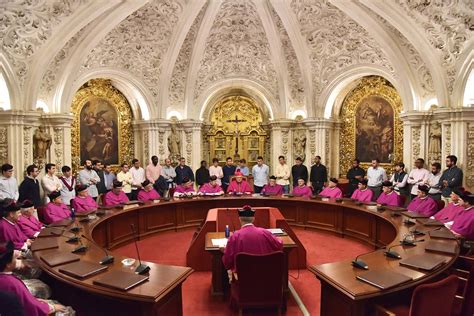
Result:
x=170 y=248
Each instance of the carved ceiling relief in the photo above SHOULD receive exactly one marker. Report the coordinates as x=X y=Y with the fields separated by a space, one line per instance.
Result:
x=335 y=41
x=237 y=46
x=470 y=156
x=139 y=43
x=448 y=24
x=26 y=25
x=3 y=145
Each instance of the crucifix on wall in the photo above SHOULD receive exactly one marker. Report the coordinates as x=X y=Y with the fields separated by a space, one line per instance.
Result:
x=236 y=121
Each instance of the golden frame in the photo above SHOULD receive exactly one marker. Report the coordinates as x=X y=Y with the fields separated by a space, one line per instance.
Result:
x=369 y=86
x=103 y=88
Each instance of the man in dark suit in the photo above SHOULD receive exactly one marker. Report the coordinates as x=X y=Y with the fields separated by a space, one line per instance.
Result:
x=299 y=171
x=319 y=175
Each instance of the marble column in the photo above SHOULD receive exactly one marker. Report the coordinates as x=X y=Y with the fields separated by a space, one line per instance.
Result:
x=281 y=142
x=150 y=139
x=191 y=142
x=416 y=131
x=323 y=141
x=58 y=126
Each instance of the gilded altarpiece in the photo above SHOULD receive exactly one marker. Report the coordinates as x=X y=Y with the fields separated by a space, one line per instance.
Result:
x=236 y=130
x=371 y=126
x=102 y=125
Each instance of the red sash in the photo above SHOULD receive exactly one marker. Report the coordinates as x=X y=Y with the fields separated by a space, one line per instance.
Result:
x=69 y=187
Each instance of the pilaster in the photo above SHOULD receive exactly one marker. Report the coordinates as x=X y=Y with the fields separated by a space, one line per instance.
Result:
x=150 y=139
x=323 y=141
x=191 y=144
x=281 y=142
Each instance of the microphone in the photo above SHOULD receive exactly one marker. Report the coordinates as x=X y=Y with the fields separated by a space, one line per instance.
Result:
x=393 y=254
x=360 y=264
x=417 y=232
x=79 y=249
x=142 y=268
x=411 y=243
x=108 y=258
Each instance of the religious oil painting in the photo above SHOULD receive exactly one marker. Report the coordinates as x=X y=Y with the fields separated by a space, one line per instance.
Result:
x=374 y=129
x=99 y=131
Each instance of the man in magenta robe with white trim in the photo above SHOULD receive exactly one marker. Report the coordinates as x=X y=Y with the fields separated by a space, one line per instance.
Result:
x=464 y=223
x=83 y=202
x=453 y=209
x=116 y=196
x=423 y=204
x=389 y=196
x=9 y=230
x=147 y=193
x=211 y=188
x=332 y=191
x=56 y=210
x=302 y=189
x=28 y=223
x=239 y=186
x=272 y=188
x=185 y=189
x=362 y=193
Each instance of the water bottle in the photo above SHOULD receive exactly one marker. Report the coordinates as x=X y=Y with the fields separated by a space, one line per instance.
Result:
x=73 y=213
x=227 y=231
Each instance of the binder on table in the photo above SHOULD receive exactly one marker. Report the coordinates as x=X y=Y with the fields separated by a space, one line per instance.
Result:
x=383 y=279
x=82 y=269
x=414 y=214
x=44 y=243
x=61 y=223
x=429 y=222
x=442 y=234
x=120 y=280
x=426 y=261
x=448 y=248
x=50 y=232
x=58 y=258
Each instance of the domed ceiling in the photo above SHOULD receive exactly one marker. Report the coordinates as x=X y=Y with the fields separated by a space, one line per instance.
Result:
x=175 y=54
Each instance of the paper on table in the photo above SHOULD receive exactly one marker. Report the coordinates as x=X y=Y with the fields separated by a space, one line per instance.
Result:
x=219 y=242
x=276 y=231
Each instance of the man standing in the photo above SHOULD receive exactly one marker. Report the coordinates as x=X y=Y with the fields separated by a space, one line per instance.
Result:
x=89 y=177
x=299 y=171
x=183 y=171
x=153 y=170
x=8 y=183
x=109 y=177
x=138 y=176
x=319 y=175
x=283 y=174
x=68 y=191
x=376 y=175
x=399 y=179
x=260 y=175
x=50 y=182
x=168 y=173
x=451 y=178
x=242 y=167
x=97 y=165
x=354 y=175
x=124 y=178
x=203 y=174
x=29 y=187
x=228 y=170
x=417 y=176
x=216 y=170
x=433 y=181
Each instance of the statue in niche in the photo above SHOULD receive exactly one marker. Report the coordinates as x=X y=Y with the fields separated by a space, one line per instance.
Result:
x=41 y=143
x=174 y=144
x=299 y=145
x=434 y=149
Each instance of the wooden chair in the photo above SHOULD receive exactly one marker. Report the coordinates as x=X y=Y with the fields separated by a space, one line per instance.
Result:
x=440 y=204
x=464 y=301
x=427 y=300
x=260 y=281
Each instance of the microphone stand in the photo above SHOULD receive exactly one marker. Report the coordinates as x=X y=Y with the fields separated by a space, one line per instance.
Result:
x=360 y=264
x=108 y=258
x=142 y=268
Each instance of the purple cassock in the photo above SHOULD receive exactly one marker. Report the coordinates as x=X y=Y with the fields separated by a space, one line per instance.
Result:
x=464 y=223
x=272 y=190
x=207 y=188
x=302 y=191
x=112 y=198
x=148 y=196
x=84 y=204
x=250 y=239
x=31 y=305
x=449 y=213
x=183 y=189
x=242 y=187
x=426 y=206
x=391 y=199
x=29 y=225
x=55 y=213
x=11 y=231
x=363 y=195
x=331 y=192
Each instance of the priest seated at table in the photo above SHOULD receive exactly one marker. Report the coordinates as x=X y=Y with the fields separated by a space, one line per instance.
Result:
x=249 y=239
x=211 y=188
x=56 y=210
x=272 y=188
x=12 y=284
x=116 y=196
x=363 y=193
x=9 y=228
x=423 y=203
x=453 y=209
x=28 y=222
x=83 y=202
x=463 y=224
x=147 y=193
x=185 y=189
x=239 y=186
x=302 y=189
x=389 y=196
x=332 y=191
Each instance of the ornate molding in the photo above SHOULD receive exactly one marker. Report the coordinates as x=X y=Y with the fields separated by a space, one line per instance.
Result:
x=470 y=156
x=415 y=142
x=58 y=146
x=284 y=142
x=3 y=145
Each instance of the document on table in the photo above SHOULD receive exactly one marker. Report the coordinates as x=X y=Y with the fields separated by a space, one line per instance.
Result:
x=276 y=231
x=219 y=242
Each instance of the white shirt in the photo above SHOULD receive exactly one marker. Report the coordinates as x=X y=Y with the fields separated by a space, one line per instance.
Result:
x=138 y=176
x=401 y=184
x=433 y=181
x=8 y=188
x=50 y=184
x=216 y=171
x=283 y=174
x=419 y=176
x=85 y=177
x=67 y=195
x=375 y=177
x=126 y=179
x=260 y=175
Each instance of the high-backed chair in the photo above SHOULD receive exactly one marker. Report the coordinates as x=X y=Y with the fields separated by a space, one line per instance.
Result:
x=259 y=281
x=440 y=204
x=427 y=300
x=464 y=304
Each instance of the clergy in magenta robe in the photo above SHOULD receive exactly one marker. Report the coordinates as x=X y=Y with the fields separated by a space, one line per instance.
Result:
x=148 y=193
x=272 y=188
x=302 y=189
x=239 y=186
x=332 y=191
x=362 y=193
x=249 y=239
x=185 y=188
x=83 y=202
x=389 y=196
x=11 y=284
x=423 y=203
x=115 y=196
x=464 y=222
x=453 y=209
x=28 y=223
x=9 y=230
x=212 y=187
x=56 y=210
